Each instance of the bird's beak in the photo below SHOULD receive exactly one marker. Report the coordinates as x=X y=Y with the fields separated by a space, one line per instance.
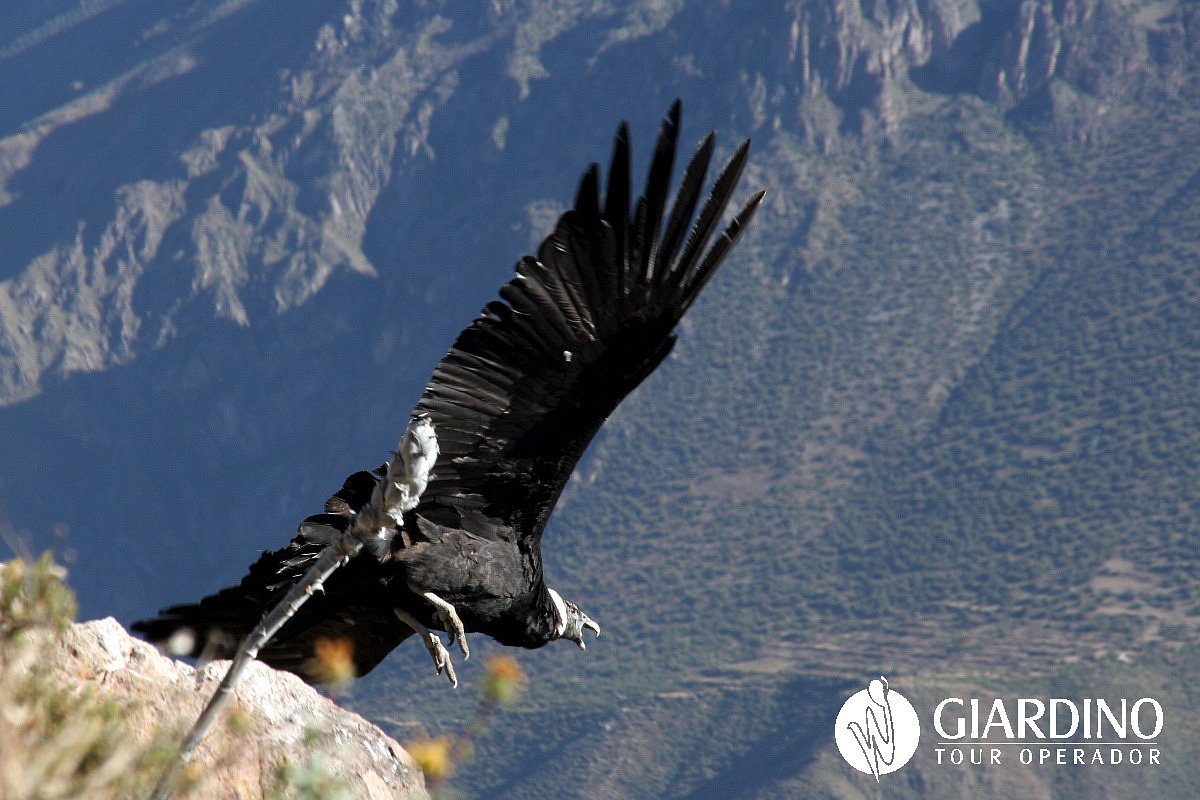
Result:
x=587 y=624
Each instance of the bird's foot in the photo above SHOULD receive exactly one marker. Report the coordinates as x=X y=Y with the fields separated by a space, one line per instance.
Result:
x=437 y=651
x=451 y=622
x=440 y=656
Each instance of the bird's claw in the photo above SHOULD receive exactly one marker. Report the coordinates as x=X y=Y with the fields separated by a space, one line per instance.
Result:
x=458 y=633
x=441 y=657
x=437 y=651
x=451 y=622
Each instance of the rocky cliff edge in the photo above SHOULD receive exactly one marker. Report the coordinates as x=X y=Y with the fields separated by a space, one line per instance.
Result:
x=279 y=731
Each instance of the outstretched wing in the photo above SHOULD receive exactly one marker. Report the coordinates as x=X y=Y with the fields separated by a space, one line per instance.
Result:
x=527 y=385
x=353 y=614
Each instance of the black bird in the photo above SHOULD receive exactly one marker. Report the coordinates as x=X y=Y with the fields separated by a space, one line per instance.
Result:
x=511 y=408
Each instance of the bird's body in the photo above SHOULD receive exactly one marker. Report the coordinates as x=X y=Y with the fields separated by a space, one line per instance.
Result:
x=513 y=406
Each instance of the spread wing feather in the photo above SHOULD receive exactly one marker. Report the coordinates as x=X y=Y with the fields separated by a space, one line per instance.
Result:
x=527 y=385
x=351 y=611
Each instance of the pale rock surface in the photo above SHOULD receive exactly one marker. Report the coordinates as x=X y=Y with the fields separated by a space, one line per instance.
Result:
x=289 y=720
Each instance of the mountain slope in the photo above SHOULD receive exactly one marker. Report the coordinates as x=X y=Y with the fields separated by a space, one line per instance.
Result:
x=935 y=418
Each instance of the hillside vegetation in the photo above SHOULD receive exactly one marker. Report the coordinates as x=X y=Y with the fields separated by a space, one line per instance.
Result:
x=935 y=419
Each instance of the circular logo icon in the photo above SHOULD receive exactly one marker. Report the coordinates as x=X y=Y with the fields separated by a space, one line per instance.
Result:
x=877 y=729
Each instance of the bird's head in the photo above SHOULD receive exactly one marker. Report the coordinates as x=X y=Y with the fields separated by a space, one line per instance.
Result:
x=571 y=621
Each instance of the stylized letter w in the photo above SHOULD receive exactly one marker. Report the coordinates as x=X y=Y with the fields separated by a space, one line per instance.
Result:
x=877 y=742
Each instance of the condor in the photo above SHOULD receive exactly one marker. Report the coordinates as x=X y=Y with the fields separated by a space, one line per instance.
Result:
x=453 y=524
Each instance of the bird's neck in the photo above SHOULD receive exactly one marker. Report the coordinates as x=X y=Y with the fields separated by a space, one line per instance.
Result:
x=536 y=627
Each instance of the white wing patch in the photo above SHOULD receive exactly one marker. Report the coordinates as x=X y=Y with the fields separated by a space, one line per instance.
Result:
x=408 y=471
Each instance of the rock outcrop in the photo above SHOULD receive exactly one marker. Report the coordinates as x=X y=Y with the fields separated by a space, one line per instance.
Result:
x=244 y=210
x=857 y=63
x=281 y=720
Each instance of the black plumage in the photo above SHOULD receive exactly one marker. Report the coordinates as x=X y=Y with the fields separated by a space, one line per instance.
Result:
x=513 y=405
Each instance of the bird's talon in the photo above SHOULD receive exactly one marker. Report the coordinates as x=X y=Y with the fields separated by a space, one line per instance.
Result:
x=441 y=658
x=451 y=622
x=437 y=651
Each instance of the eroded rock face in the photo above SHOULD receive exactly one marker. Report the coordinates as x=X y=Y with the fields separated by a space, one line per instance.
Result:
x=1067 y=60
x=255 y=183
x=245 y=208
x=287 y=721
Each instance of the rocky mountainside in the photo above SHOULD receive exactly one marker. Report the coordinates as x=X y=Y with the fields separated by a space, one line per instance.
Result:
x=88 y=713
x=192 y=171
x=936 y=418
x=195 y=198
x=280 y=720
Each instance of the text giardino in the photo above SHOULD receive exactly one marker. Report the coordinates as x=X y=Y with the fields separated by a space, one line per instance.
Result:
x=956 y=719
